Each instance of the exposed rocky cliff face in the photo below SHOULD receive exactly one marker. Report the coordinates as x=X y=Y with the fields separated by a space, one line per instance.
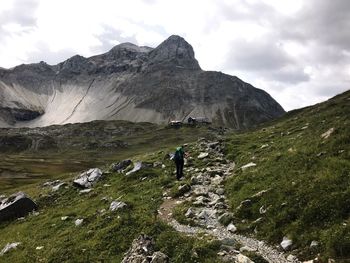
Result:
x=130 y=83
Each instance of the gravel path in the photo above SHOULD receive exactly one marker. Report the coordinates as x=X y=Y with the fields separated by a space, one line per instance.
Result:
x=209 y=201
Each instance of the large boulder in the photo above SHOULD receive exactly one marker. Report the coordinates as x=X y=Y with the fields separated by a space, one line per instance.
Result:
x=15 y=206
x=88 y=178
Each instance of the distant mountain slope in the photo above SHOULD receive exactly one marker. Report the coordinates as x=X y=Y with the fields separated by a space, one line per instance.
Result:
x=299 y=186
x=130 y=83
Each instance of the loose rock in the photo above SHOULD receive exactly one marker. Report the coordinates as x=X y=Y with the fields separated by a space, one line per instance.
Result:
x=189 y=212
x=142 y=251
x=88 y=178
x=78 y=222
x=159 y=257
x=232 y=228
x=116 y=205
x=248 y=166
x=286 y=243
x=203 y=155
x=58 y=186
x=119 y=167
x=243 y=259
x=8 y=247
x=138 y=166
x=327 y=133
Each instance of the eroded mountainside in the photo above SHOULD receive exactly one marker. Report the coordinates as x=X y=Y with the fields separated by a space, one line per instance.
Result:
x=130 y=83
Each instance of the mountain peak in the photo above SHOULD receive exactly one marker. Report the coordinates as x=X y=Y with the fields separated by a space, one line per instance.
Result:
x=176 y=51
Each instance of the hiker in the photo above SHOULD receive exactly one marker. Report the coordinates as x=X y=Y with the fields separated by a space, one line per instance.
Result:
x=179 y=161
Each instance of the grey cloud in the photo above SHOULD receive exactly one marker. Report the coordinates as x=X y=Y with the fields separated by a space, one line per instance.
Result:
x=111 y=34
x=266 y=59
x=321 y=27
x=325 y=23
x=289 y=75
x=329 y=89
x=257 y=55
x=45 y=54
x=22 y=13
x=245 y=11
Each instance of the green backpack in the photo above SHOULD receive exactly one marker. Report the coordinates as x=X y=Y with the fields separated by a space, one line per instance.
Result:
x=179 y=153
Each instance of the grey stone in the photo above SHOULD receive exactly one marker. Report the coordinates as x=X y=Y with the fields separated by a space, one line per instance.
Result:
x=8 y=247
x=119 y=167
x=85 y=191
x=203 y=155
x=116 y=205
x=226 y=218
x=182 y=189
x=286 y=243
x=291 y=258
x=248 y=165
x=201 y=191
x=217 y=180
x=314 y=244
x=328 y=133
x=200 y=201
x=243 y=259
x=78 y=221
x=88 y=178
x=159 y=257
x=138 y=166
x=189 y=212
x=16 y=206
x=58 y=186
x=142 y=251
x=220 y=191
x=246 y=249
x=232 y=228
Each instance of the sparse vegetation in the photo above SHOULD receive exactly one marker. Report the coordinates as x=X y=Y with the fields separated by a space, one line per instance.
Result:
x=308 y=179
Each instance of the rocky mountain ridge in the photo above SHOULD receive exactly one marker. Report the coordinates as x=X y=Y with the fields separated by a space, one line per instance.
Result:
x=130 y=83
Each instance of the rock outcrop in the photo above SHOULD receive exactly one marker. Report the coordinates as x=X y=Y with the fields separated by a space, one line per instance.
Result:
x=130 y=83
x=88 y=178
x=15 y=206
x=142 y=250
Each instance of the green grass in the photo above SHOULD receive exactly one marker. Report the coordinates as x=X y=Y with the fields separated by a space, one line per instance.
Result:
x=309 y=178
x=103 y=237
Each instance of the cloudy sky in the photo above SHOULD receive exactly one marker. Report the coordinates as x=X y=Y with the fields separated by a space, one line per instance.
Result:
x=297 y=50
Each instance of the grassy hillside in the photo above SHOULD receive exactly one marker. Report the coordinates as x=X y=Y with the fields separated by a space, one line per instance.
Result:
x=57 y=151
x=104 y=236
x=306 y=177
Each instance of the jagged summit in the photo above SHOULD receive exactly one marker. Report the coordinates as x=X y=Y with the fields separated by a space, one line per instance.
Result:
x=175 y=51
x=132 y=83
